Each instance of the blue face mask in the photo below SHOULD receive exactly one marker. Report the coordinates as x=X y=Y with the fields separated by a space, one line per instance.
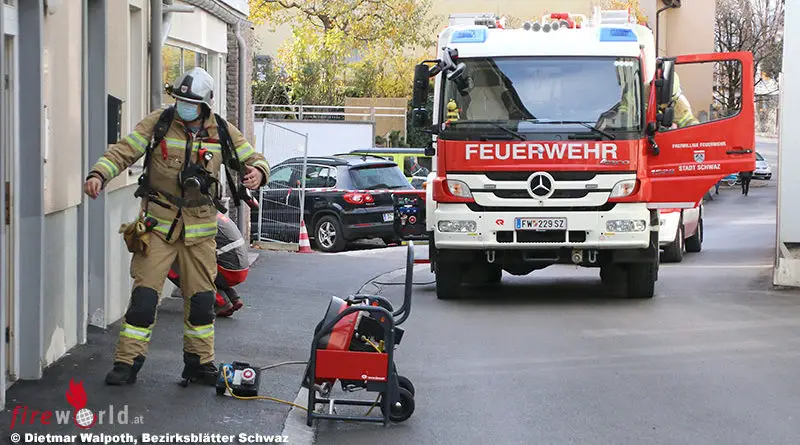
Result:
x=188 y=112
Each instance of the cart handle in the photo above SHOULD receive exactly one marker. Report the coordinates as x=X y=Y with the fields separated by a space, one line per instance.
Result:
x=405 y=309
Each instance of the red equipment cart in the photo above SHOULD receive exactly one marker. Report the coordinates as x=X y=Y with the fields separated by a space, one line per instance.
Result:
x=354 y=344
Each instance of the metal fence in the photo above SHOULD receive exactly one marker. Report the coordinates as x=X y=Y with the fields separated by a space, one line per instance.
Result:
x=336 y=113
x=282 y=200
x=326 y=112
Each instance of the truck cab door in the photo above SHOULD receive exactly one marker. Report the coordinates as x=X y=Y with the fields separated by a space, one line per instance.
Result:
x=712 y=133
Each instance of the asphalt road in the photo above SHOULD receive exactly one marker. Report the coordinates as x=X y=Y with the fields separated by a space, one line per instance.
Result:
x=285 y=296
x=548 y=358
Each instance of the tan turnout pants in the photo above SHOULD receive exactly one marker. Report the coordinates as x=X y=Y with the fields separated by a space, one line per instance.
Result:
x=198 y=265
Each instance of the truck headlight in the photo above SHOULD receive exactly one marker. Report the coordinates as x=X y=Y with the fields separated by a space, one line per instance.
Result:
x=458 y=188
x=458 y=226
x=626 y=225
x=623 y=188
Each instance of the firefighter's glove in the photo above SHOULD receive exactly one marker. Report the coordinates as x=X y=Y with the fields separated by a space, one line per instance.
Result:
x=137 y=238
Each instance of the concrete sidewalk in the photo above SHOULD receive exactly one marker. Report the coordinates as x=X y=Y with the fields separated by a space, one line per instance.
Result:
x=285 y=297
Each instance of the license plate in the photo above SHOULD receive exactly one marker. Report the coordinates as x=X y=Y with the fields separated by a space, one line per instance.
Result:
x=540 y=223
x=387 y=217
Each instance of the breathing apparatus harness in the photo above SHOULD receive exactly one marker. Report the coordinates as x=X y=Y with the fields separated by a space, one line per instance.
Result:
x=193 y=176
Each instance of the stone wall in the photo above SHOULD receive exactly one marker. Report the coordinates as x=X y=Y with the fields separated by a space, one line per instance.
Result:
x=233 y=92
x=233 y=77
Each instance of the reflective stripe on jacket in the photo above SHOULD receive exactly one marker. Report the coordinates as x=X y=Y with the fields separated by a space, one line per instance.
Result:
x=683 y=113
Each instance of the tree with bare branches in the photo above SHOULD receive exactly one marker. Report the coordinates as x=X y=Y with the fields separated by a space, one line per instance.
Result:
x=747 y=25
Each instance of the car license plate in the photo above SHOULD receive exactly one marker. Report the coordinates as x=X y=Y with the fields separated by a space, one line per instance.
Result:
x=540 y=223
x=388 y=217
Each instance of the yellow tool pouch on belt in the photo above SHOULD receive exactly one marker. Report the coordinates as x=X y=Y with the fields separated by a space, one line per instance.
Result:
x=137 y=238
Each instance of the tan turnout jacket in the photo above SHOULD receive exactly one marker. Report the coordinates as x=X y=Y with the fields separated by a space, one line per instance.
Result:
x=166 y=162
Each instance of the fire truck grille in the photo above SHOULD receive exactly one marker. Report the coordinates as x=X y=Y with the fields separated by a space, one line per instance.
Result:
x=557 y=175
x=549 y=236
x=562 y=190
x=558 y=194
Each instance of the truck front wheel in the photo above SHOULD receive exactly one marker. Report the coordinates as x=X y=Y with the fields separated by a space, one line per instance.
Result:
x=641 y=280
x=494 y=274
x=448 y=280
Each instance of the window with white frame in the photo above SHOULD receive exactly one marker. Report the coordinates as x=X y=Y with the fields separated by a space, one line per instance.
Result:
x=175 y=60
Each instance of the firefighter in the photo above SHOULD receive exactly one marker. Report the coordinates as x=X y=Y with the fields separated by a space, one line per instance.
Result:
x=683 y=116
x=177 y=220
x=233 y=266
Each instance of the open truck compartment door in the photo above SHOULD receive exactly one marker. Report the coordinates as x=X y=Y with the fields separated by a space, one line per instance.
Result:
x=715 y=140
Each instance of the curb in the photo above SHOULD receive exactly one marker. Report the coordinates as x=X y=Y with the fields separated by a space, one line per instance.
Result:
x=295 y=428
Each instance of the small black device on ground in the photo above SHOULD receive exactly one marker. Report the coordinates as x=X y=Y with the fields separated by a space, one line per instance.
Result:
x=242 y=378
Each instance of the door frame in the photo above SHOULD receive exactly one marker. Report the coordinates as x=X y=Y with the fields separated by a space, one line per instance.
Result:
x=9 y=245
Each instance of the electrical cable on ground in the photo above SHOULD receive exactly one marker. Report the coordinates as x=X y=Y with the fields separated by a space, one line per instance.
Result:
x=381 y=283
x=283 y=363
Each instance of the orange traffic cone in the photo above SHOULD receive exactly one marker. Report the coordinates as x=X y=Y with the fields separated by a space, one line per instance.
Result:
x=305 y=245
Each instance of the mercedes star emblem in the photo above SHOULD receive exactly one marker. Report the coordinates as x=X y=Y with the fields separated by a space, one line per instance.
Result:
x=541 y=185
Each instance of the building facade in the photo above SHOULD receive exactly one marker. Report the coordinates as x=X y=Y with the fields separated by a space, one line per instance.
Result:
x=85 y=80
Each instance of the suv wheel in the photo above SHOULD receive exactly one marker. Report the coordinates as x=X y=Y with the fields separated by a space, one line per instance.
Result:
x=328 y=234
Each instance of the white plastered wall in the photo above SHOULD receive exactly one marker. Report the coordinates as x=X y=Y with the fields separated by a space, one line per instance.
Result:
x=61 y=114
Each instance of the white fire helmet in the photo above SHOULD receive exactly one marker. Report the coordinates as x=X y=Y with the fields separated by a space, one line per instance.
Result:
x=195 y=86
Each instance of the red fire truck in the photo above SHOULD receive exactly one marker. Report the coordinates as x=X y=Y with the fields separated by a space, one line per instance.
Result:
x=556 y=143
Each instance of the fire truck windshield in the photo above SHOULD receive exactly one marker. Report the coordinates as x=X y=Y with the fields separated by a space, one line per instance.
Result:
x=523 y=94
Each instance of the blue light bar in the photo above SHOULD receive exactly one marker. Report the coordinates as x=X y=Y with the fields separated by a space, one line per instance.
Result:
x=476 y=35
x=617 y=35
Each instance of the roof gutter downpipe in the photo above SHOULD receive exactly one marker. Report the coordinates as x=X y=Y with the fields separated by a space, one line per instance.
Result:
x=166 y=20
x=242 y=117
x=160 y=25
x=156 y=40
x=669 y=4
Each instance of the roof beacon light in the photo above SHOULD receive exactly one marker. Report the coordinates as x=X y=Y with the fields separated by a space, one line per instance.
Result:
x=617 y=35
x=563 y=20
x=489 y=22
x=474 y=35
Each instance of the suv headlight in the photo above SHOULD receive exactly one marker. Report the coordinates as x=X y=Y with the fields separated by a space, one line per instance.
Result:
x=623 y=188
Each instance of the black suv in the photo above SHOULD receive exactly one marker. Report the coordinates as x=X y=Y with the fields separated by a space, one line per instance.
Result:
x=348 y=197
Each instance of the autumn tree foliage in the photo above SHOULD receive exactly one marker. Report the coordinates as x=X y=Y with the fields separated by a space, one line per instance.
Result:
x=348 y=47
x=635 y=8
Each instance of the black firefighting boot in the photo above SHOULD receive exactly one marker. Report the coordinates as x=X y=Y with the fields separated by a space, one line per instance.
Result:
x=123 y=373
x=194 y=371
